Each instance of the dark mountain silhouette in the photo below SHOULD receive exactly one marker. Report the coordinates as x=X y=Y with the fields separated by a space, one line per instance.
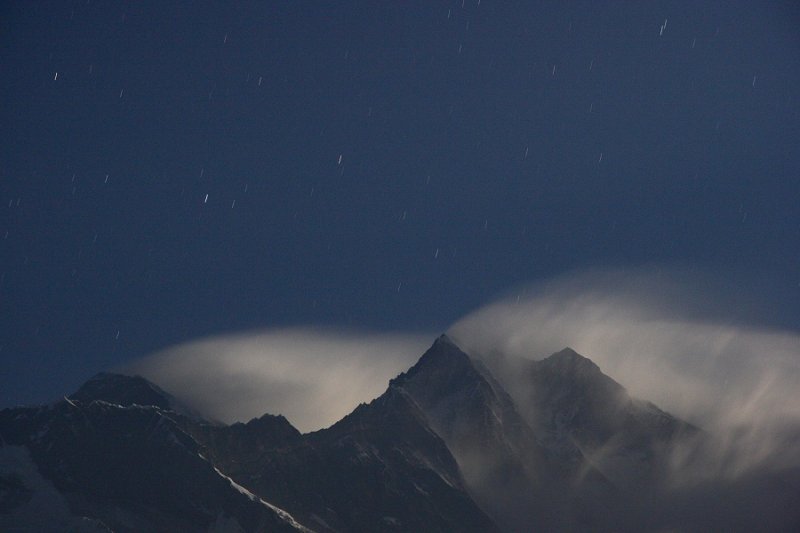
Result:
x=508 y=471
x=126 y=468
x=572 y=405
x=552 y=445
x=381 y=468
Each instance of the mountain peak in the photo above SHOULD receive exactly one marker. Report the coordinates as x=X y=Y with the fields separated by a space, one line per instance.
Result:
x=567 y=352
x=128 y=390
x=123 y=390
x=444 y=339
x=570 y=361
x=443 y=356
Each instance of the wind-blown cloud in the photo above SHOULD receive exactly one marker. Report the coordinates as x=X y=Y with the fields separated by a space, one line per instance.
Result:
x=314 y=377
x=668 y=338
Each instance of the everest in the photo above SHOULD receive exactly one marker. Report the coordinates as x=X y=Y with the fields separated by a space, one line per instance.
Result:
x=456 y=443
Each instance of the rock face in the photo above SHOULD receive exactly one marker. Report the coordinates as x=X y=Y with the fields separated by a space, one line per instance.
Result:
x=125 y=468
x=140 y=464
x=576 y=409
x=381 y=468
x=445 y=448
x=505 y=467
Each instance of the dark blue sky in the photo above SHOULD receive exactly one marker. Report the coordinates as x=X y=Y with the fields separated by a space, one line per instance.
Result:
x=174 y=170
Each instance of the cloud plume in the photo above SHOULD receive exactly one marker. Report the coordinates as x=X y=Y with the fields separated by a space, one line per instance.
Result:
x=312 y=376
x=670 y=338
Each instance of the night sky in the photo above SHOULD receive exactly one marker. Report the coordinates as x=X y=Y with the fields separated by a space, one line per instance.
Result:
x=176 y=170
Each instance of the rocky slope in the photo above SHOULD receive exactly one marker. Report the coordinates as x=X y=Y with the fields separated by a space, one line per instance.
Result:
x=552 y=445
x=124 y=468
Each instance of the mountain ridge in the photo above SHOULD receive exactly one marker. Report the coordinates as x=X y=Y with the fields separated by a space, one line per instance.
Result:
x=128 y=468
x=454 y=443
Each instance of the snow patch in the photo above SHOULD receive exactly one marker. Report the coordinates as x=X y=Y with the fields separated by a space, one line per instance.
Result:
x=285 y=516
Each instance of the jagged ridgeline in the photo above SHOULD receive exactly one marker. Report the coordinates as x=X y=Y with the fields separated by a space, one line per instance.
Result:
x=452 y=445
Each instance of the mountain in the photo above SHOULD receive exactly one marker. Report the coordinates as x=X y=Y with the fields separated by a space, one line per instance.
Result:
x=504 y=465
x=456 y=443
x=128 y=391
x=584 y=417
x=121 y=468
x=381 y=468
x=131 y=467
x=573 y=406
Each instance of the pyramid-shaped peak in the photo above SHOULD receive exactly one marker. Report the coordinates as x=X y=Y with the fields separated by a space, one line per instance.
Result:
x=123 y=390
x=568 y=360
x=126 y=390
x=444 y=340
x=443 y=358
x=569 y=353
x=443 y=353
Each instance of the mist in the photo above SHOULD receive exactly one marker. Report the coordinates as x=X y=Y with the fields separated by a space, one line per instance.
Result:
x=312 y=376
x=674 y=338
x=679 y=339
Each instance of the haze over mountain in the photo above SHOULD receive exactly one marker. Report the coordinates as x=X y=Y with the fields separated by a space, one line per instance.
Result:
x=695 y=345
x=314 y=376
x=449 y=446
x=183 y=171
x=231 y=232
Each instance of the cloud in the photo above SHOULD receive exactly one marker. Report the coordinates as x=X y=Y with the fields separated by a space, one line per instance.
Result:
x=684 y=341
x=312 y=376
